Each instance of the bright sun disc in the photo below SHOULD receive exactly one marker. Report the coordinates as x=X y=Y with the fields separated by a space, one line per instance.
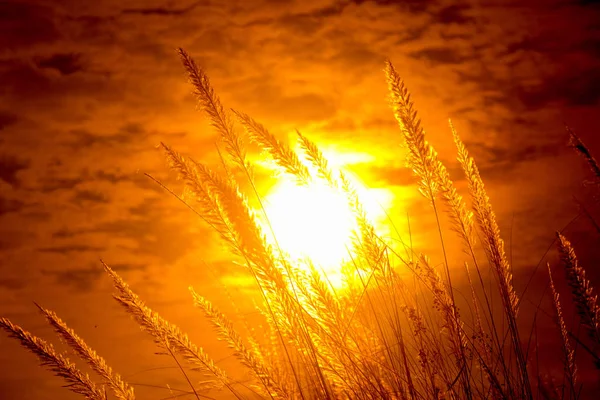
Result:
x=312 y=221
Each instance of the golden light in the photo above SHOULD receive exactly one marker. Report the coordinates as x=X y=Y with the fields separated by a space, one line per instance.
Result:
x=312 y=221
x=315 y=221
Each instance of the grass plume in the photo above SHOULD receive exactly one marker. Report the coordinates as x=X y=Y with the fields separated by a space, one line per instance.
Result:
x=583 y=292
x=77 y=381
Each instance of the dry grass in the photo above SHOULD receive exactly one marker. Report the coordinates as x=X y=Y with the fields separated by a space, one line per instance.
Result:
x=77 y=381
x=385 y=335
x=583 y=293
x=576 y=143
x=568 y=353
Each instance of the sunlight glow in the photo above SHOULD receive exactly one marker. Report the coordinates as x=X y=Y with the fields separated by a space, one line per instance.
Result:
x=312 y=221
x=316 y=222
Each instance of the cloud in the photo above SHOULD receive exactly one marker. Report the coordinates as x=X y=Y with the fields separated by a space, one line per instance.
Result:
x=10 y=206
x=129 y=134
x=47 y=90
x=10 y=166
x=495 y=156
x=127 y=267
x=70 y=249
x=439 y=56
x=589 y=3
x=12 y=283
x=86 y=197
x=51 y=184
x=307 y=22
x=7 y=118
x=64 y=63
x=17 y=20
x=146 y=207
x=85 y=279
x=13 y=238
x=77 y=279
x=574 y=87
x=148 y=235
x=454 y=14
x=414 y=6
x=162 y=11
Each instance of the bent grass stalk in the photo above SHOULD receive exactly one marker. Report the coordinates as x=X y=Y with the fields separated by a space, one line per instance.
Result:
x=384 y=336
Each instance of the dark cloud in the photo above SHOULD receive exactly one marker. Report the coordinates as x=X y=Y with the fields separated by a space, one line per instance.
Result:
x=10 y=205
x=66 y=249
x=591 y=46
x=162 y=11
x=41 y=90
x=81 y=280
x=566 y=71
x=13 y=283
x=307 y=23
x=64 y=233
x=84 y=279
x=496 y=155
x=51 y=184
x=127 y=267
x=589 y=3
x=137 y=178
x=482 y=79
x=146 y=207
x=529 y=42
x=414 y=6
x=440 y=55
x=151 y=234
x=13 y=237
x=37 y=215
x=133 y=128
x=22 y=79
x=411 y=35
x=7 y=119
x=82 y=138
x=10 y=166
x=112 y=177
x=576 y=87
x=163 y=239
x=24 y=24
x=454 y=14
x=64 y=63
x=100 y=30
x=85 y=197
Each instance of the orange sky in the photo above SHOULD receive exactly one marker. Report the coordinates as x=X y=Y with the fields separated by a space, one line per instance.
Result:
x=88 y=89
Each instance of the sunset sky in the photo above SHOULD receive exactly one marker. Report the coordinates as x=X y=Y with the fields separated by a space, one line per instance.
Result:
x=88 y=89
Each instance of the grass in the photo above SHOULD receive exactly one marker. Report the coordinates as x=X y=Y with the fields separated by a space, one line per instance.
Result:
x=386 y=335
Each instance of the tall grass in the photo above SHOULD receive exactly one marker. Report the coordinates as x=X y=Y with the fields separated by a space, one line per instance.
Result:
x=385 y=334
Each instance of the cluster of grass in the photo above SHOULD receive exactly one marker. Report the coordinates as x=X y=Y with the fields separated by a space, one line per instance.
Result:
x=387 y=334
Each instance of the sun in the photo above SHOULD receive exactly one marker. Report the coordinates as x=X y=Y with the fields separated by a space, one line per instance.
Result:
x=315 y=221
x=312 y=221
